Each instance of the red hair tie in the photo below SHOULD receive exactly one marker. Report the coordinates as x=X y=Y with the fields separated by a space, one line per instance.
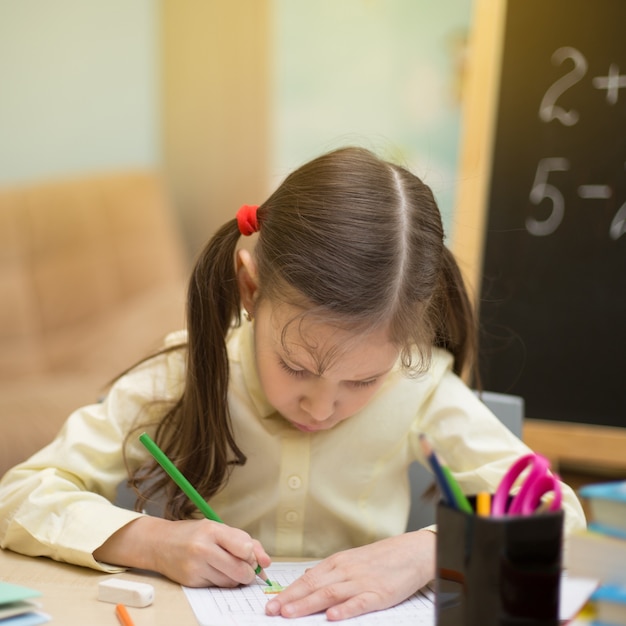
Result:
x=247 y=220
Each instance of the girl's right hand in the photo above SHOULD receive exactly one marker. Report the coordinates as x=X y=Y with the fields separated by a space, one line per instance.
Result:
x=194 y=553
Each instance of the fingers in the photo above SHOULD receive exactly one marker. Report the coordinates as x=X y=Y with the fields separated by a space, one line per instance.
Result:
x=200 y=553
x=249 y=551
x=360 y=580
x=316 y=590
x=355 y=606
x=261 y=560
x=340 y=601
x=237 y=555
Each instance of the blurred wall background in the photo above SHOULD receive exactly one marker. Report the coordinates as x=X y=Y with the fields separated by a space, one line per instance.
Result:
x=79 y=87
x=225 y=97
x=385 y=74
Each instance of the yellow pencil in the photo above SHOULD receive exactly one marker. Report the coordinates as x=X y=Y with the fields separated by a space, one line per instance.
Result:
x=544 y=506
x=483 y=504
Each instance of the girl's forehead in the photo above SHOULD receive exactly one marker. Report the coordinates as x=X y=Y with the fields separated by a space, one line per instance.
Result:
x=313 y=329
x=319 y=346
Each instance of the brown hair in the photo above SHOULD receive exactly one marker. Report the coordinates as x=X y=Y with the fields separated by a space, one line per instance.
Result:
x=354 y=238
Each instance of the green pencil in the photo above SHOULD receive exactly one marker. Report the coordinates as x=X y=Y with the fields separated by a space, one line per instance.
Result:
x=462 y=503
x=188 y=489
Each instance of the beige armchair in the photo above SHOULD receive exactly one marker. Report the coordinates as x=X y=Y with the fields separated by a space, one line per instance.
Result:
x=92 y=276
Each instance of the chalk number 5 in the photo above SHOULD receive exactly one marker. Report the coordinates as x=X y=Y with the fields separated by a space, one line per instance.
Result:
x=542 y=190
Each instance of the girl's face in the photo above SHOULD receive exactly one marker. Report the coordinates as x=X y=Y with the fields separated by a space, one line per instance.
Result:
x=316 y=375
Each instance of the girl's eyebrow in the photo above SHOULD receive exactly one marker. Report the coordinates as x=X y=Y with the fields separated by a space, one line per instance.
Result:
x=377 y=375
x=296 y=365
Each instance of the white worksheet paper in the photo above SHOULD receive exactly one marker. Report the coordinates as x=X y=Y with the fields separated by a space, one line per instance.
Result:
x=245 y=606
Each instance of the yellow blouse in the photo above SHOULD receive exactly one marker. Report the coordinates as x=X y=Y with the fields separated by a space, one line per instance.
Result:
x=300 y=494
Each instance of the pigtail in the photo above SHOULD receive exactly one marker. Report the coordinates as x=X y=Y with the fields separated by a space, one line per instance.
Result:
x=196 y=433
x=454 y=323
x=213 y=308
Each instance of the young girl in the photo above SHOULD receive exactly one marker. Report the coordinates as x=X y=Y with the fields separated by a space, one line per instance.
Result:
x=293 y=403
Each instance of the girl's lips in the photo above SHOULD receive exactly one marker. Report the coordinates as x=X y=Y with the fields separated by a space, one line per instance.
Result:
x=304 y=429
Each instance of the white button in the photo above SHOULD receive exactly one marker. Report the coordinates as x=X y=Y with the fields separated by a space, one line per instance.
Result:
x=294 y=482
x=291 y=516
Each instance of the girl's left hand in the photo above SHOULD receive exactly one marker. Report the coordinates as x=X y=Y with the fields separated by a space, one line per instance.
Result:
x=360 y=580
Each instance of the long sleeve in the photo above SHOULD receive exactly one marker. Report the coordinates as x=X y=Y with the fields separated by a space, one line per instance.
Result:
x=476 y=446
x=300 y=494
x=58 y=503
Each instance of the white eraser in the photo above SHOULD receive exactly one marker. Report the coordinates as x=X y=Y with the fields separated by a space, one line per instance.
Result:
x=126 y=592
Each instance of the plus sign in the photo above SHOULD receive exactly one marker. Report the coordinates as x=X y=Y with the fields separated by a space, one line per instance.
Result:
x=612 y=83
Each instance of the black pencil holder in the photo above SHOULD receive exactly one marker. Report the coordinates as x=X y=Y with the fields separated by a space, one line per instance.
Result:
x=503 y=571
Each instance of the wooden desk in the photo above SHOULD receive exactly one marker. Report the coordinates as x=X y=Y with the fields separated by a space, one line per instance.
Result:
x=70 y=593
x=595 y=449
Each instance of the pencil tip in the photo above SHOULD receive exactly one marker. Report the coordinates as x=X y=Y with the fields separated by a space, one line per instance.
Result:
x=425 y=445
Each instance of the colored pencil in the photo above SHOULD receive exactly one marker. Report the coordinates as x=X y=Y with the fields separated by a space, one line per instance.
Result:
x=483 y=504
x=433 y=461
x=177 y=476
x=123 y=616
x=461 y=502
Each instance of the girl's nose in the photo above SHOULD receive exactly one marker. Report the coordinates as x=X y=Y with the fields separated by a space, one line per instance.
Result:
x=320 y=405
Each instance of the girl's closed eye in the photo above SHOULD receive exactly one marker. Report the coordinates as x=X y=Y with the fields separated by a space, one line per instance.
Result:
x=301 y=373
x=290 y=370
x=360 y=384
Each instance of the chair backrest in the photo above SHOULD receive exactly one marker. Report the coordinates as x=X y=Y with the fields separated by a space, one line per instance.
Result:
x=508 y=408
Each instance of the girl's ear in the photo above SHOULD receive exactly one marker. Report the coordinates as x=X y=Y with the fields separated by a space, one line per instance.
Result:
x=247 y=280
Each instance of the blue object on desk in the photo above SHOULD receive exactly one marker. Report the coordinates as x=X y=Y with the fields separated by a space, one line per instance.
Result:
x=610 y=593
x=26 y=619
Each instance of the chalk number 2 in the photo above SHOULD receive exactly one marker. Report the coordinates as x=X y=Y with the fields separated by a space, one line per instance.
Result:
x=543 y=192
x=548 y=109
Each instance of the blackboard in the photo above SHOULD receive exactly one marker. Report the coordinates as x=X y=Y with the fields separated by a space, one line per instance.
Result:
x=553 y=287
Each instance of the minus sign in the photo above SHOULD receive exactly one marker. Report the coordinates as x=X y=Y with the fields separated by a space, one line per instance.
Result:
x=600 y=192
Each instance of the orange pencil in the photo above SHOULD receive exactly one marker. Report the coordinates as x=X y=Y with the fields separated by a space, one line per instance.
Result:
x=123 y=616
